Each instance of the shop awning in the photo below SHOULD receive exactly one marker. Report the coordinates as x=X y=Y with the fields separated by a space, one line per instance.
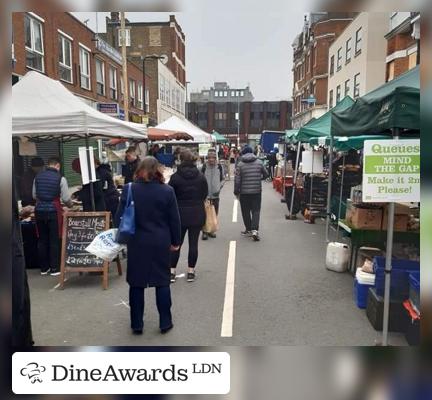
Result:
x=395 y=104
x=291 y=136
x=175 y=123
x=345 y=143
x=322 y=125
x=157 y=134
x=219 y=138
x=43 y=108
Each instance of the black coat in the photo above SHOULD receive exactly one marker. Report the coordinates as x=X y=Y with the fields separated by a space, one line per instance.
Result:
x=157 y=227
x=110 y=192
x=128 y=170
x=84 y=195
x=191 y=190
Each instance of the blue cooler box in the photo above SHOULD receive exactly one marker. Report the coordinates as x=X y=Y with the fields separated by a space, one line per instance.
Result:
x=361 y=294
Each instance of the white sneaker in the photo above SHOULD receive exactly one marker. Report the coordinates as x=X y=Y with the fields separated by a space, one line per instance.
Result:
x=45 y=272
x=57 y=273
x=255 y=236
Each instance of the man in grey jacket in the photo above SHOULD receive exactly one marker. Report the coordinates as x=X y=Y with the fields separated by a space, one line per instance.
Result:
x=250 y=172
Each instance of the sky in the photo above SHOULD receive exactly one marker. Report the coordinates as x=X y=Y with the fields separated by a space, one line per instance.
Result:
x=241 y=42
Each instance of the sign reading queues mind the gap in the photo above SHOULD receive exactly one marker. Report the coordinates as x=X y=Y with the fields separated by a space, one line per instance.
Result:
x=391 y=171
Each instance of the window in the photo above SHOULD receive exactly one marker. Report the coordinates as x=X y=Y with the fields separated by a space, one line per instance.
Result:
x=332 y=65
x=339 y=58
x=347 y=87
x=358 y=41
x=121 y=86
x=113 y=82
x=140 y=95
x=127 y=37
x=84 y=68
x=315 y=55
x=331 y=99
x=307 y=63
x=132 y=92
x=412 y=60
x=357 y=85
x=241 y=93
x=147 y=101
x=100 y=77
x=34 y=43
x=216 y=93
x=233 y=93
x=348 y=51
x=338 y=94
x=65 y=59
x=225 y=93
x=391 y=71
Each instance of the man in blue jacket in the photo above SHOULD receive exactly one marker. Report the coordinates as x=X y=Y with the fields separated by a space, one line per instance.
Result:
x=250 y=172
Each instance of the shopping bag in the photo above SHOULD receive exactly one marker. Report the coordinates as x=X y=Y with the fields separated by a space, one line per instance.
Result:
x=104 y=245
x=211 y=224
x=126 y=228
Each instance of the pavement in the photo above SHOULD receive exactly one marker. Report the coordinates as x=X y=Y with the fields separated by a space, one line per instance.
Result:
x=273 y=292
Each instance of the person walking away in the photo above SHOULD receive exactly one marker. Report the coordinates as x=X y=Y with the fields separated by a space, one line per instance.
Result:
x=248 y=187
x=26 y=187
x=213 y=173
x=48 y=189
x=272 y=161
x=109 y=189
x=191 y=190
x=84 y=194
x=131 y=165
x=157 y=234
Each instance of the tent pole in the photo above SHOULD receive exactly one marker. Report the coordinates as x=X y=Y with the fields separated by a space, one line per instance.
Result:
x=388 y=261
x=92 y=199
x=329 y=189
x=340 y=195
x=295 y=181
x=284 y=170
x=311 y=181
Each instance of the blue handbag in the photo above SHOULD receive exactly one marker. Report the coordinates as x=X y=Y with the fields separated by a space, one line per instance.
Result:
x=126 y=227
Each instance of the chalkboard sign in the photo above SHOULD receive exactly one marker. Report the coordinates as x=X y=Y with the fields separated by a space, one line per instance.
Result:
x=79 y=230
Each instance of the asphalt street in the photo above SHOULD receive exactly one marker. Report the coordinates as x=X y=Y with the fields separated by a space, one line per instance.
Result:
x=278 y=292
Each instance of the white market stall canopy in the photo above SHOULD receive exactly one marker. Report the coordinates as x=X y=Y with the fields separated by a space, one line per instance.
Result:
x=177 y=124
x=43 y=108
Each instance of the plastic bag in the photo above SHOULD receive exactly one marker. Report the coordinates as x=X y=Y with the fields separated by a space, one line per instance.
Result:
x=104 y=245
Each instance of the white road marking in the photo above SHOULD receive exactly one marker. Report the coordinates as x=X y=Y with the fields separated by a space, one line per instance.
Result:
x=57 y=286
x=235 y=209
x=228 y=310
x=122 y=303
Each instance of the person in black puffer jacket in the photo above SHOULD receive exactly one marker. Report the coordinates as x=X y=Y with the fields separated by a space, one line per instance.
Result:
x=110 y=192
x=191 y=189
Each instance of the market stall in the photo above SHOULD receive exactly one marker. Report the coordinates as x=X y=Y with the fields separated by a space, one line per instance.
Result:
x=395 y=108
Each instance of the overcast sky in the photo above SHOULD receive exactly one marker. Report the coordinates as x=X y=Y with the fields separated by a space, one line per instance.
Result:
x=241 y=42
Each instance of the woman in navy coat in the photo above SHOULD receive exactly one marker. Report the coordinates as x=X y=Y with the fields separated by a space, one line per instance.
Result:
x=157 y=234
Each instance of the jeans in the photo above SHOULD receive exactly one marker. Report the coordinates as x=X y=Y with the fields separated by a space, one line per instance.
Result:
x=49 y=241
x=251 y=207
x=193 y=235
x=163 y=303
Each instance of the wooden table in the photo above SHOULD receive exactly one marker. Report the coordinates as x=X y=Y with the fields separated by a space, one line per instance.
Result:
x=376 y=238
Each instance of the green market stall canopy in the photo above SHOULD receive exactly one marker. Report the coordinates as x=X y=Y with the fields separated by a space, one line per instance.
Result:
x=345 y=143
x=219 y=138
x=396 y=104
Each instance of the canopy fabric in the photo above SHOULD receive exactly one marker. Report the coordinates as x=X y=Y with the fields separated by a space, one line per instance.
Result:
x=322 y=125
x=291 y=135
x=175 y=123
x=219 y=138
x=396 y=104
x=157 y=134
x=347 y=143
x=43 y=108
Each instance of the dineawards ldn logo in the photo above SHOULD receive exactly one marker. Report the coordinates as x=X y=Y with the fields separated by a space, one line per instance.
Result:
x=33 y=371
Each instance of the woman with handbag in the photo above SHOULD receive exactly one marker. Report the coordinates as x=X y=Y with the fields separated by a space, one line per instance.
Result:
x=151 y=235
x=191 y=190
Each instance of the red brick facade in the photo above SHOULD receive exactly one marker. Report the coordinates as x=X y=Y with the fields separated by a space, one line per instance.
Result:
x=399 y=42
x=69 y=25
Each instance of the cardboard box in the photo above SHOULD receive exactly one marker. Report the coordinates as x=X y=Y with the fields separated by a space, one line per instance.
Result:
x=366 y=218
x=400 y=222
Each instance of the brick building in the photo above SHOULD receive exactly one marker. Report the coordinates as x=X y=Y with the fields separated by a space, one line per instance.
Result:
x=403 y=43
x=255 y=117
x=166 y=83
x=310 y=63
x=63 y=48
x=221 y=92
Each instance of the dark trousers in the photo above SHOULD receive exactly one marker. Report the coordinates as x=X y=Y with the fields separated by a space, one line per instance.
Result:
x=163 y=303
x=193 y=235
x=251 y=207
x=49 y=241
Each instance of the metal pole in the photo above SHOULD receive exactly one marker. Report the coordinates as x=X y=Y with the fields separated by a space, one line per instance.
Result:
x=124 y=65
x=311 y=181
x=284 y=170
x=92 y=199
x=144 y=86
x=329 y=188
x=340 y=195
x=295 y=181
x=388 y=261
x=238 y=121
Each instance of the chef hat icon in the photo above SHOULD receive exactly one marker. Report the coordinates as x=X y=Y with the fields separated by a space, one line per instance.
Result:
x=33 y=371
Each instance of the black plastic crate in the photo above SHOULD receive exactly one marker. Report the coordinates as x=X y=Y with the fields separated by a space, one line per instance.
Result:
x=375 y=313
